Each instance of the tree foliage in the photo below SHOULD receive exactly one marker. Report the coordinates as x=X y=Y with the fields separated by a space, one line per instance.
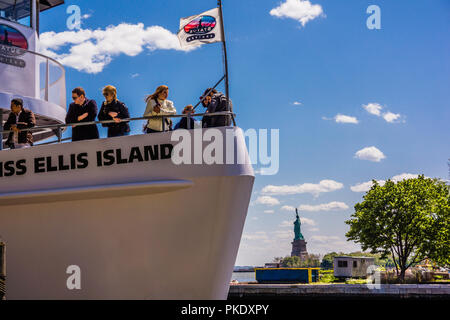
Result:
x=278 y=259
x=312 y=260
x=327 y=260
x=409 y=220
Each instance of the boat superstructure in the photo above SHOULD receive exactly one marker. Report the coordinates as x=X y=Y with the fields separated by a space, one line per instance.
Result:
x=25 y=73
x=115 y=218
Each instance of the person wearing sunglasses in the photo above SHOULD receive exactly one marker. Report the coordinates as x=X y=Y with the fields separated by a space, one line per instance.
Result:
x=82 y=110
x=113 y=109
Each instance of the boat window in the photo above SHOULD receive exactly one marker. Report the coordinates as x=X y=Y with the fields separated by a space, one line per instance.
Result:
x=17 y=11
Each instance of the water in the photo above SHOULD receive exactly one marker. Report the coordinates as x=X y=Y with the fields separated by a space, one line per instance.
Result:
x=243 y=276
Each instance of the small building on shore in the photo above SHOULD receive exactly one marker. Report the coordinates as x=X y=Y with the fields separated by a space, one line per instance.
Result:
x=351 y=267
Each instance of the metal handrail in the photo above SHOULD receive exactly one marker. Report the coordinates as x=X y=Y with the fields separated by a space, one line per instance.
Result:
x=59 y=127
x=45 y=57
x=48 y=85
x=78 y=124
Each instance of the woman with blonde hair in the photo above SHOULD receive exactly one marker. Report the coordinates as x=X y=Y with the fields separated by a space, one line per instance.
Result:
x=113 y=109
x=159 y=105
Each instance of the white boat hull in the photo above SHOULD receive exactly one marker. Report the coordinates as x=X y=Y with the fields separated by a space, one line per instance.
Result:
x=147 y=230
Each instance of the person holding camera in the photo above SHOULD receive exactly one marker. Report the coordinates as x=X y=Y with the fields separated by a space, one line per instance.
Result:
x=159 y=105
x=216 y=101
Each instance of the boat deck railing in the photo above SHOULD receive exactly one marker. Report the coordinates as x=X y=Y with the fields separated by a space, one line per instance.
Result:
x=58 y=129
x=41 y=77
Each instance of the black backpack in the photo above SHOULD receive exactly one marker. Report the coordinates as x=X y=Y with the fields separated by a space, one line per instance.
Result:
x=222 y=121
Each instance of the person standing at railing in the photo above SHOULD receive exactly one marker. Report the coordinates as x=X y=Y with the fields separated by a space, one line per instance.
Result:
x=82 y=110
x=18 y=121
x=159 y=105
x=183 y=124
x=216 y=101
x=113 y=109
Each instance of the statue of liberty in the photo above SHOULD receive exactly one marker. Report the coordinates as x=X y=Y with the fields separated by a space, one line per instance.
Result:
x=297 y=225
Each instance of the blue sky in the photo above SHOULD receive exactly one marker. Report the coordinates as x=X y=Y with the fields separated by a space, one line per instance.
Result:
x=295 y=78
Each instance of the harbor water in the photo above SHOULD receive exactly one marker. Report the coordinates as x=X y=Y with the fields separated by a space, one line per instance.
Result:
x=243 y=276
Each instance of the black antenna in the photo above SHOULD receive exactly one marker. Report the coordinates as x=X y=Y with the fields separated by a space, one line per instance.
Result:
x=227 y=90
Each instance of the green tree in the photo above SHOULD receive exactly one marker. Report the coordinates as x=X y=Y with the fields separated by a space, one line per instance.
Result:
x=408 y=220
x=327 y=260
x=310 y=261
x=278 y=259
x=291 y=262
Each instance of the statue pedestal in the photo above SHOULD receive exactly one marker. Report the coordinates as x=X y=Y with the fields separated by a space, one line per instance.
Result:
x=299 y=248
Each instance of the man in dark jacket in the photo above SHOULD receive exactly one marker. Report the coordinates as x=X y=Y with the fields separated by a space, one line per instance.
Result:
x=82 y=110
x=18 y=121
x=216 y=101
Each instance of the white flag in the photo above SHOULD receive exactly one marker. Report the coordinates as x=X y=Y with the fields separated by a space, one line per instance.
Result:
x=202 y=28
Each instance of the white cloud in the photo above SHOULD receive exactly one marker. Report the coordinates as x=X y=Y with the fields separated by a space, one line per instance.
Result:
x=267 y=200
x=134 y=75
x=286 y=224
x=259 y=235
x=391 y=117
x=282 y=234
x=269 y=211
x=373 y=108
x=300 y=10
x=365 y=186
x=297 y=103
x=308 y=222
x=341 y=118
x=331 y=206
x=324 y=239
x=288 y=208
x=371 y=154
x=304 y=221
x=404 y=176
x=92 y=50
x=315 y=189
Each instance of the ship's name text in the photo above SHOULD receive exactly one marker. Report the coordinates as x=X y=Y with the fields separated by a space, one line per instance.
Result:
x=78 y=161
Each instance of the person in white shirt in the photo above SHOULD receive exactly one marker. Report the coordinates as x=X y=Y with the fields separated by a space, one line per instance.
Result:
x=158 y=105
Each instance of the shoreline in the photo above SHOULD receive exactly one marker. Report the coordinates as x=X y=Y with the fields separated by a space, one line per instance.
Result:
x=338 y=291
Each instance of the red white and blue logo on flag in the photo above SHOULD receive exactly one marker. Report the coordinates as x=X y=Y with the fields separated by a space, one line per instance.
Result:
x=198 y=29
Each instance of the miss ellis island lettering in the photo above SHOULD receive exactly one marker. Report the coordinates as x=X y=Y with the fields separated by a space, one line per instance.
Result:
x=81 y=160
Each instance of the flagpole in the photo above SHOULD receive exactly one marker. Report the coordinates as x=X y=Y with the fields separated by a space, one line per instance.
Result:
x=227 y=89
